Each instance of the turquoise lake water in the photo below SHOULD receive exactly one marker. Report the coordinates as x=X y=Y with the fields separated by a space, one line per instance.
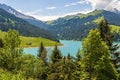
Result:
x=69 y=47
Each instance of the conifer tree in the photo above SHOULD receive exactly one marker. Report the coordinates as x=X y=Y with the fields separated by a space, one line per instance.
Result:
x=78 y=56
x=69 y=57
x=96 y=62
x=106 y=35
x=56 y=55
x=42 y=53
x=105 y=32
x=1 y=43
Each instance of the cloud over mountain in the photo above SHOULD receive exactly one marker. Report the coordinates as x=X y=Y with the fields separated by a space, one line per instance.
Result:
x=105 y=4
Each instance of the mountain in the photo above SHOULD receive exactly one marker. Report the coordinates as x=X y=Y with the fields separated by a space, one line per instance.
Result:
x=116 y=11
x=77 y=26
x=8 y=21
x=29 y=19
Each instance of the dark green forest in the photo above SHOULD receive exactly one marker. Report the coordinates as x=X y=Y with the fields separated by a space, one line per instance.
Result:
x=10 y=21
x=98 y=59
x=78 y=25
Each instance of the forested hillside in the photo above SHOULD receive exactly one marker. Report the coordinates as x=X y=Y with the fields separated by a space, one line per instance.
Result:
x=9 y=21
x=79 y=25
x=97 y=60
x=27 y=18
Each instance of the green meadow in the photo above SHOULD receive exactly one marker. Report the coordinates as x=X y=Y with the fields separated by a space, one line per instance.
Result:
x=33 y=41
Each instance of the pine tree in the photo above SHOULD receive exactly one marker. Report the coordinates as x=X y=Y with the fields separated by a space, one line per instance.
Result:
x=42 y=53
x=78 y=56
x=96 y=62
x=105 y=32
x=56 y=55
x=1 y=43
x=69 y=57
x=116 y=56
x=106 y=35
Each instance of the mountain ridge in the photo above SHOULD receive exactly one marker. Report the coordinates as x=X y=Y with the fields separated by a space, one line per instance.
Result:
x=27 y=18
x=9 y=21
x=78 y=27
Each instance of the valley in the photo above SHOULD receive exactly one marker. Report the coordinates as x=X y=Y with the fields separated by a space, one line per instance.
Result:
x=60 y=40
x=77 y=25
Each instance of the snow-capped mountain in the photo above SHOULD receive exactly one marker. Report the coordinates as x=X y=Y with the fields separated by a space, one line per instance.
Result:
x=29 y=19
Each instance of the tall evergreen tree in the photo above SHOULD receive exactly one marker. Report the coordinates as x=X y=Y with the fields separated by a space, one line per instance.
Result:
x=106 y=35
x=78 y=56
x=105 y=32
x=1 y=43
x=96 y=62
x=69 y=57
x=56 y=55
x=42 y=53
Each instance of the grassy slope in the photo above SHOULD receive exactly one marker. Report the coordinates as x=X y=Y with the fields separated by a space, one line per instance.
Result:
x=115 y=29
x=33 y=41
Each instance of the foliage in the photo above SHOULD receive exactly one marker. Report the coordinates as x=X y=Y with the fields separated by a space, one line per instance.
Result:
x=79 y=25
x=62 y=70
x=1 y=43
x=42 y=53
x=107 y=37
x=6 y=75
x=9 y=21
x=56 y=55
x=12 y=49
x=115 y=29
x=32 y=41
x=105 y=32
x=93 y=62
x=96 y=62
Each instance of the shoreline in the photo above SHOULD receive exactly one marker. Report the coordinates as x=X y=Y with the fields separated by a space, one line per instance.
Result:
x=45 y=46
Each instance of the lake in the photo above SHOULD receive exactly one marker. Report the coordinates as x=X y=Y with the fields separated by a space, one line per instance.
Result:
x=69 y=47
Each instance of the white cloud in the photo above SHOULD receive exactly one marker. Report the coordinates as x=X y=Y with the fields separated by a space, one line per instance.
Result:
x=51 y=8
x=84 y=12
x=49 y=17
x=33 y=12
x=75 y=3
x=45 y=18
x=105 y=4
x=67 y=5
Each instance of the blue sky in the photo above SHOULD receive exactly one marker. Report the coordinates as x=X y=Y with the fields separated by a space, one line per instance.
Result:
x=52 y=9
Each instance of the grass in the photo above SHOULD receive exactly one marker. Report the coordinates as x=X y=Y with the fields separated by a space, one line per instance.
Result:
x=33 y=41
x=91 y=13
x=98 y=20
x=115 y=29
